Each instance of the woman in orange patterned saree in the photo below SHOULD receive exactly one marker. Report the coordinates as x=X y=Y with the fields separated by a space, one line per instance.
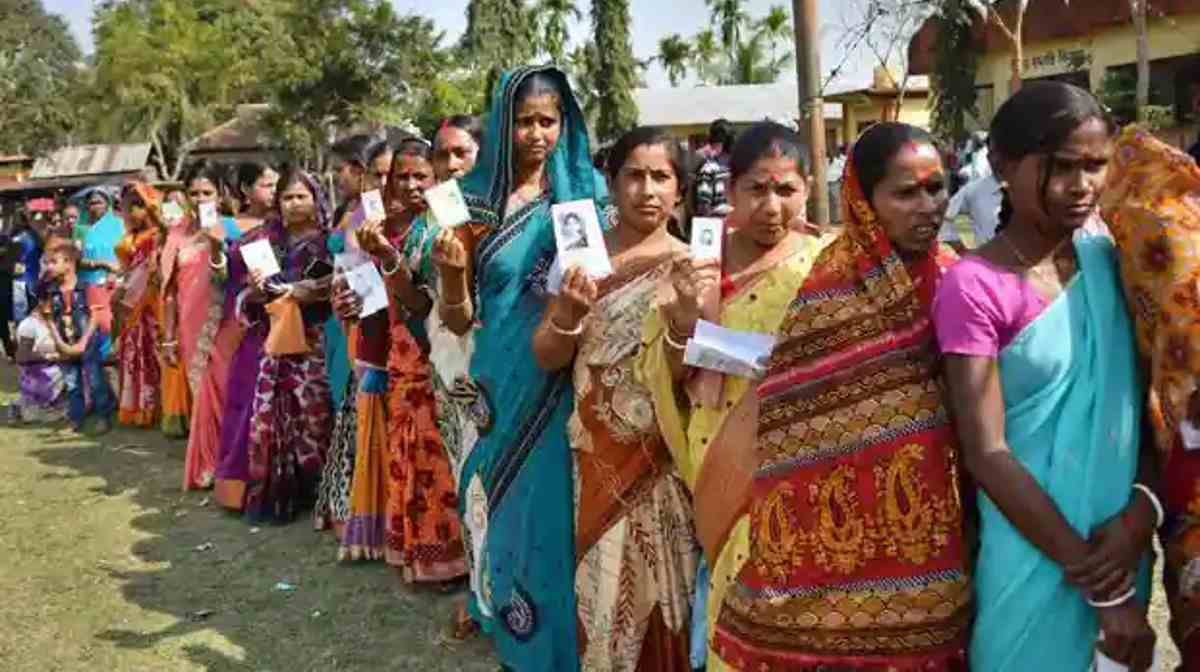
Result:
x=137 y=303
x=635 y=546
x=1152 y=206
x=856 y=554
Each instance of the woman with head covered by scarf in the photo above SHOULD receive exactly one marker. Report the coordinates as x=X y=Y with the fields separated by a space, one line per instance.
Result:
x=136 y=302
x=516 y=485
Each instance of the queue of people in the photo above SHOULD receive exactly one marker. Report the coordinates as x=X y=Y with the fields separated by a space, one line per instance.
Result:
x=946 y=463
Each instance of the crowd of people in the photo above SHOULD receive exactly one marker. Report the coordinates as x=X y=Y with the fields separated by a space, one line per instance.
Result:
x=951 y=461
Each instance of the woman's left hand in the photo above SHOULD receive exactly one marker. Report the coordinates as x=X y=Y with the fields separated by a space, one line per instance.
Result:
x=575 y=300
x=1114 y=548
x=372 y=240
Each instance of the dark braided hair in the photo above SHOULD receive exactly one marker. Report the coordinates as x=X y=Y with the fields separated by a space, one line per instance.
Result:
x=1038 y=119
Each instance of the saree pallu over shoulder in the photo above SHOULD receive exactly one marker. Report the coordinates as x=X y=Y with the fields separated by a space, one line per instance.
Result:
x=635 y=541
x=856 y=557
x=710 y=446
x=1072 y=416
x=516 y=485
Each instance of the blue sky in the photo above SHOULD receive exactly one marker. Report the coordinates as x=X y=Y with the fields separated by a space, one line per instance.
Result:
x=652 y=19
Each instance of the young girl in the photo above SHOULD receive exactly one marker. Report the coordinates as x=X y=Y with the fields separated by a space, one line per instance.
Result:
x=41 y=383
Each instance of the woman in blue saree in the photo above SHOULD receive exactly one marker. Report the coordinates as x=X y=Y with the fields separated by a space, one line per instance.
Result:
x=516 y=488
x=102 y=230
x=1044 y=386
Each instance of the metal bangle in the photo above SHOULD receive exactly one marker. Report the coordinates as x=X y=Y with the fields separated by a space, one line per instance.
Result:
x=1160 y=514
x=672 y=342
x=1119 y=600
x=565 y=332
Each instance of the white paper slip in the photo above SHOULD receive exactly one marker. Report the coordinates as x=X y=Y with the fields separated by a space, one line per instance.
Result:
x=208 y=215
x=171 y=213
x=367 y=283
x=738 y=353
x=447 y=205
x=372 y=203
x=1190 y=435
x=260 y=257
x=707 y=233
x=579 y=239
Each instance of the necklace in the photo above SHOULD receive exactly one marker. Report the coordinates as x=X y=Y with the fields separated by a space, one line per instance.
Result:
x=1016 y=252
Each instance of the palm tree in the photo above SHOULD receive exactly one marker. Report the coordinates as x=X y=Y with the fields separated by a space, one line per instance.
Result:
x=706 y=56
x=775 y=27
x=730 y=17
x=674 y=53
x=751 y=64
x=553 y=17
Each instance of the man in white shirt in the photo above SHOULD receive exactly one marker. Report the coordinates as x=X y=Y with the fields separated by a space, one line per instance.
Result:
x=978 y=202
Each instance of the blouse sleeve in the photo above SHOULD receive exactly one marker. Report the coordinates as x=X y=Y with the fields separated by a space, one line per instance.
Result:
x=966 y=322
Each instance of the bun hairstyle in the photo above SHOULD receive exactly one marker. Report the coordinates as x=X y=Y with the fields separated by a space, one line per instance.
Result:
x=643 y=136
x=466 y=122
x=361 y=148
x=1039 y=119
x=767 y=139
x=877 y=146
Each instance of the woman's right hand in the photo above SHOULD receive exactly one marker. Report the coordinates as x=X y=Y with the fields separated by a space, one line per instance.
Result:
x=691 y=280
x=258 y=282
x=1128 y=637
x=346 y=304
x=449 y=254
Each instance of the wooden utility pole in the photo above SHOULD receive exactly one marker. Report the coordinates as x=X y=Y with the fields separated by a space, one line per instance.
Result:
x=812 y=105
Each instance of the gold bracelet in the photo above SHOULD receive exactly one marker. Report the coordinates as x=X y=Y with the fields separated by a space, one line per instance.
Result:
x=671 y=342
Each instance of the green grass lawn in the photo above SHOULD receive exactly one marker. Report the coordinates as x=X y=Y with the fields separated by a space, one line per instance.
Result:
x=100 y=570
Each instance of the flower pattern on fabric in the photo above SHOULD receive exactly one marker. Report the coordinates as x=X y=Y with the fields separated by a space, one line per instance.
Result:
x=139 y=378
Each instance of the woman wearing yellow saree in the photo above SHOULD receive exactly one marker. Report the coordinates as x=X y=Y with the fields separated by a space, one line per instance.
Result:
x=764 y=262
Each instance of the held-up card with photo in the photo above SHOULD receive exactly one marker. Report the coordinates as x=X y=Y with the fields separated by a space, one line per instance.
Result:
x=707 y=233
x=579 y=238
x=208 y=215
x=260 y=257
x=372 y=203
x=447 y=205
x=367 y=283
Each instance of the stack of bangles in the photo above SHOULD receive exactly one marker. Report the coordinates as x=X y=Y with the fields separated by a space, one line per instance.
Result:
x=1159 y=518
x=675 y=339
x=221 y=266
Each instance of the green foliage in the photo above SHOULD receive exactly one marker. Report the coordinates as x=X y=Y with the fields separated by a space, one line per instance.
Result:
x=674 y=54
x=40 y=71
x=745 y=51
x=616 y=72
x=500 y=35
x=706 y=57
x=349 y=62
x=953 y=78
x=552 y=18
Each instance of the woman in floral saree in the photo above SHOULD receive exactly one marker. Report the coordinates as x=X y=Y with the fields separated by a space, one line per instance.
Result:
x=516 y=489
x=137 y=304
x=1152 y=206
x=634 y=543
x=291 y=412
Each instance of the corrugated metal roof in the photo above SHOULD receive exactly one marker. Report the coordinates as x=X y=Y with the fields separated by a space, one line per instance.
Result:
x=746 y=104
x=92 y=160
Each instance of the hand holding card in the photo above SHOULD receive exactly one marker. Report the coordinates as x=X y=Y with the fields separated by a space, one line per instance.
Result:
x=579 y=239
x=260 y=257
x=447 y=205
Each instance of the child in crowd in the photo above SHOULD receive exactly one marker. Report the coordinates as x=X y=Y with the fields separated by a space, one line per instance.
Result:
x=73 y=329
x=41 y=383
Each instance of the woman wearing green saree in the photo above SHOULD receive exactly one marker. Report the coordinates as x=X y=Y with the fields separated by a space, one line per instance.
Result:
x=516 y=488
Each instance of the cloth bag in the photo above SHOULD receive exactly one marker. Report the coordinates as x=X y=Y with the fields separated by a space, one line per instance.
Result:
x=286 y=336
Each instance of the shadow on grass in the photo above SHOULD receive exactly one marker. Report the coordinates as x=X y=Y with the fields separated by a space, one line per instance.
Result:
x=209 y=580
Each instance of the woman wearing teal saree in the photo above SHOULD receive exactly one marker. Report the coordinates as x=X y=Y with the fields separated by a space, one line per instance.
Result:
x=1044 y=387
x=516 y=485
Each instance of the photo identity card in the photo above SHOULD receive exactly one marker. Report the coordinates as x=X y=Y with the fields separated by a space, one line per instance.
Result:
x=707 y=233
x=372 y=203
x=260 y=257
x=208 y=215
x=579 y=239
x=447 y=205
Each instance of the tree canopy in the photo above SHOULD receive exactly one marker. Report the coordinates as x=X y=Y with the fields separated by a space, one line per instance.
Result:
x=40 y=69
